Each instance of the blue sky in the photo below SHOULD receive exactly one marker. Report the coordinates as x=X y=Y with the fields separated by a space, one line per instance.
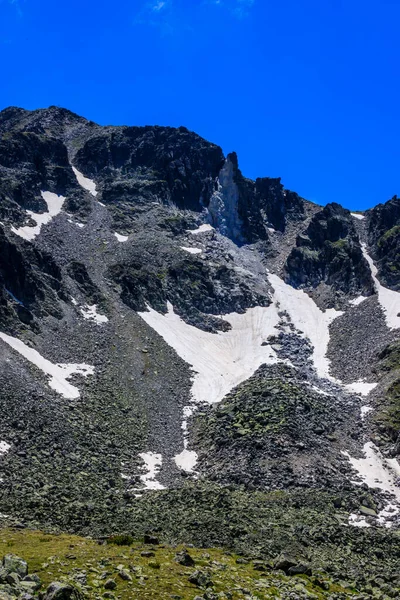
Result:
x=307 y=90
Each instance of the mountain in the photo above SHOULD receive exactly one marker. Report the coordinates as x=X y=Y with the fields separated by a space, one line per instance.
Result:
x=189 y=353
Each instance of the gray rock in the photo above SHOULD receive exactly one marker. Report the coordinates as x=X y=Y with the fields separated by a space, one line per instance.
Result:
x=184 y=558
x=300 y=569
x=110 y=584
x=200 y=578
x=13 y=579
x=285 y=562
x=124 y=574
x=61 y=591
x=15 y=564
x=34 y=578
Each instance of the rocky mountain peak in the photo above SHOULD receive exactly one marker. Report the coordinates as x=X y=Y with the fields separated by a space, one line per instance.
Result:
x=190 y=352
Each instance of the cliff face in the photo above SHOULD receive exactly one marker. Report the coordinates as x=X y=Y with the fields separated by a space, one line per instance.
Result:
x=384 y=238
x=329 y=251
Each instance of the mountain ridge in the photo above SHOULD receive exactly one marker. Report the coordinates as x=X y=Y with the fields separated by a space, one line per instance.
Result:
x=174 y=332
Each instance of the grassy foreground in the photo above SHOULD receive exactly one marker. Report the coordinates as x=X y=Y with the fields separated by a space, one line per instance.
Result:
x=89 y=565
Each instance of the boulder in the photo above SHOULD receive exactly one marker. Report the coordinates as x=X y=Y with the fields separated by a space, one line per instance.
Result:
x=300 y=569
x=151 y=539
x=15 y=564
x=61 y=591
x=201 y=579
x=110 y=584
x=285 y=562
x=184 y=558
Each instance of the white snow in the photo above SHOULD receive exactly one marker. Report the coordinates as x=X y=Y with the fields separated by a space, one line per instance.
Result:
x=152 y=465
x=222 y=360
x=192 y=250
x=87 y=184
x=361 y=387
x=386 y=515
x=365 y=410
x=357 y=301
x=358 y=216
x=90 y=312
x=4 y=448
x=308 y=318
x=358 y=521
x=58 y=373
x=202 y=229
x=388 y=299
x=121 y=238
x=377 y=471
x=76 y=223
x=271 y=229
x=317 y=389
x=186 y=460
x=54 y=206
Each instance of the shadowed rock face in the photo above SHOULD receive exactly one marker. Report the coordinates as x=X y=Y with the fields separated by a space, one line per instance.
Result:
x=384 y=237
x=172 y=166
x=329 y=251
x=30 y=283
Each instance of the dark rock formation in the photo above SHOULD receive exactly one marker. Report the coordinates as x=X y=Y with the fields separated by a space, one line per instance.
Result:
x=384 y=239
x=329 y=251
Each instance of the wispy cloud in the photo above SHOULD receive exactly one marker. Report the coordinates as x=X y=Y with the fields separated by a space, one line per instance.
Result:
x=156 y=13
x=17 y=6
x=158 y=6
x=239 y=8
x=243 y=7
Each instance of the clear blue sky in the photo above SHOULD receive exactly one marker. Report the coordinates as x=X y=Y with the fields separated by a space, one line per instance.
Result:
x=303 y=89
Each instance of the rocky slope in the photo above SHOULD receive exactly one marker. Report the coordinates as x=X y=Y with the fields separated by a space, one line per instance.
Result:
x=172 y=332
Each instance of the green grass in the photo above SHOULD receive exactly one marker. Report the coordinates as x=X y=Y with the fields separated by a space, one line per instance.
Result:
x=58 y=557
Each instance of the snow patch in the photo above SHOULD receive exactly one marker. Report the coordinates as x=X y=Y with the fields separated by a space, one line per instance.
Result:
x=361 y=387
x=202 y=229
x=358 y=216
x=379 y=472
x=358 y=521
x=87 y=184
x=186 y=460
x=121 y=238
x=388 y=299
x=76 y=223
x=357 y=301
x=223 y=360
x=54 y=206
x=4 y=448
x=309 y=319
x=192 y=250
x=365 y=410
x=152 y=465
x=59 y=373
x=90 y=313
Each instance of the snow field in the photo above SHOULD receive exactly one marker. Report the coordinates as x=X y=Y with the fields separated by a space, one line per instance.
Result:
x=54 y=206
x=58 y=373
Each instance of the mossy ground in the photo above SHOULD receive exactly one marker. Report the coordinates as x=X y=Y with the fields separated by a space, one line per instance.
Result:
x=62 y=557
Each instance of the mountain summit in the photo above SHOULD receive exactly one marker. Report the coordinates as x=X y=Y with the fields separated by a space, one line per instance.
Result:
x=189 y=352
